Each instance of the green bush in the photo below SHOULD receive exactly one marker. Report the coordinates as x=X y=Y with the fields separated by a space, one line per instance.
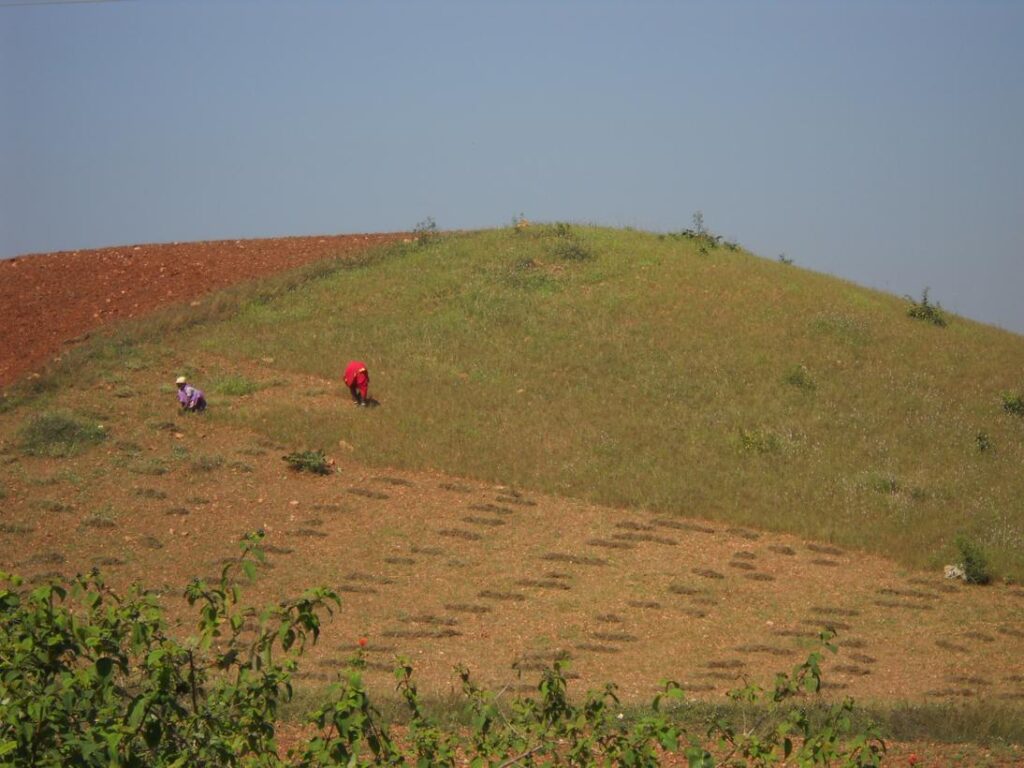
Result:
x=567 y=245
x=308 y=461
x=1013 y=402
x=973 y=561
x=58 y=434
x=922 y=310
x=94 y=678
x=800 y=378
x=426 y=231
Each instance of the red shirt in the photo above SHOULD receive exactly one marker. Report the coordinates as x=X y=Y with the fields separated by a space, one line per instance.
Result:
x=356 y=375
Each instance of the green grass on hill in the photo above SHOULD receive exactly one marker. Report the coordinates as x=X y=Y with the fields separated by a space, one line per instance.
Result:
x=627 y=368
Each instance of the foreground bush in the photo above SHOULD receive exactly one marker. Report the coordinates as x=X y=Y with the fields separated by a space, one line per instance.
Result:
x=92 y=678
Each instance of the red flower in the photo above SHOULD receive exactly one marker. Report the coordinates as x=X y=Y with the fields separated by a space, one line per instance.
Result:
x=362 y=644
x=912 y=759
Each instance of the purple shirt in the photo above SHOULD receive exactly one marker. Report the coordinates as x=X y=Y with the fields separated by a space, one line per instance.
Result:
x=189 y=396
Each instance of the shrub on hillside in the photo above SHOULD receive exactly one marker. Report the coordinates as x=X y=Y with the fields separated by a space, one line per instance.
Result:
x=308 y=461
x=974 y=561
x=567 y=244
x=923 y=310
x=59 y=435
x=426 y=231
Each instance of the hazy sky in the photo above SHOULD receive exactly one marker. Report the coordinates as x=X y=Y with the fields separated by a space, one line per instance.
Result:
x=879 y=141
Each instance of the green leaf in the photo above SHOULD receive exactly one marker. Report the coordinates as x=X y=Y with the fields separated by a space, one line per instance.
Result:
x=104 y=666
x=137 y=711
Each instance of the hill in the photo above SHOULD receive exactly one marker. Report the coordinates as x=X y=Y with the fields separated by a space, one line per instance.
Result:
x=661 y=455
x=634 y=370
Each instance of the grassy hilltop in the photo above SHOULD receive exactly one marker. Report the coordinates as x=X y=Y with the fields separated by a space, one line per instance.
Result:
x=669 y=373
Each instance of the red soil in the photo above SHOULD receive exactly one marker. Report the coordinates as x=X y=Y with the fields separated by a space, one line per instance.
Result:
x=49 y=300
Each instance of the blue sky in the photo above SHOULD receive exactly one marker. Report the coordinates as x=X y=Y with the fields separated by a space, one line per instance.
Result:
x=878 y=141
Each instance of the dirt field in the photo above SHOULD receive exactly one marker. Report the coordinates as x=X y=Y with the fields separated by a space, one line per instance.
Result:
x=49 y=300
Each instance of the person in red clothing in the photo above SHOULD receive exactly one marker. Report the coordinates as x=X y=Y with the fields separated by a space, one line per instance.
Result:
x=358 y=381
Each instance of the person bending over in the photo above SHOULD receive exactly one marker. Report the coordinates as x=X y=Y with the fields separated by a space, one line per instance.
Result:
x=190 y=398
x=357 y=379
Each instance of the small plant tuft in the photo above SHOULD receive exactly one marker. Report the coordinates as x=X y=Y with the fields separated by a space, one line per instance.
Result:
x=207 y=463
x=923 y=310
x=59 y=435
x=975 y=562
x=983 y=441
x=308 y=461
x=800 y=378
x=1013 y=402
x=567 y=245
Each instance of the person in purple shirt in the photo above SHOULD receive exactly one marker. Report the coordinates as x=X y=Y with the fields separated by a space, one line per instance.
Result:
x=191 y=399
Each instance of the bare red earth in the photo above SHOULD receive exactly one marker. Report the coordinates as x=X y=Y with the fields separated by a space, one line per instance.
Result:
x=49 y=300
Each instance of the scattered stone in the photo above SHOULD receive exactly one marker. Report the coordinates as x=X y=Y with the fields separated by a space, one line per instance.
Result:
x=954 y=572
